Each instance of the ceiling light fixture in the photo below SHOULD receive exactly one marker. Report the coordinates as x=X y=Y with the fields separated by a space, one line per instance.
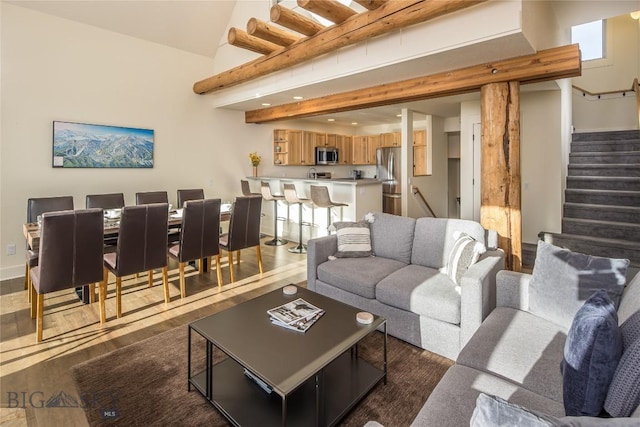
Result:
x=265 y=104
x=331 y=120
x=635 y=15
x=298 y=97
x=354 y=123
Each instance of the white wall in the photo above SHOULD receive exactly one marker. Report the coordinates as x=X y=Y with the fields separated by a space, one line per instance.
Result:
x=55 y=69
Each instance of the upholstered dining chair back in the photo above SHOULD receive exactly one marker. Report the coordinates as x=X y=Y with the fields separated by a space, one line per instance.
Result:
x=244 y=225
x=149 y=197
x=105 y=201
x=200 y=234
x=142 y=240
x=39 y=205
x=70 y=250
x=193 y=194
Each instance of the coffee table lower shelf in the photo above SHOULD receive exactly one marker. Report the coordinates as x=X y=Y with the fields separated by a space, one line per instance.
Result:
x=345 y=382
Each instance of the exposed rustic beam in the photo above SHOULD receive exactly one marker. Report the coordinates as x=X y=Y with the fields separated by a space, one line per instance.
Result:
x=270 y=33
x=371 y=4
x=388 y=17
x=239 y=38
x=332 y=10
x=551 y=64
x=294 y=21
x=500 y=158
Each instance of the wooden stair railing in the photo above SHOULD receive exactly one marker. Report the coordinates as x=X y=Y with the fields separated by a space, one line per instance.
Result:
x=416 y=192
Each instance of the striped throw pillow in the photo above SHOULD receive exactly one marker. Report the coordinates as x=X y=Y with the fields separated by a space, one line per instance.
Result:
x=465 y=252
x=354 y=239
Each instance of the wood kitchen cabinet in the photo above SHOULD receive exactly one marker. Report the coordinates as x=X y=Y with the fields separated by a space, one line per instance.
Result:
x=419 y=153
x=343 y=143
x=287 y=147
x=364 y=148
x=308 y=149
x=391 y=139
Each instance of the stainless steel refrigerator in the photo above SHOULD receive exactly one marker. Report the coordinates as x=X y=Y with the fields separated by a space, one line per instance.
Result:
x=389 y=171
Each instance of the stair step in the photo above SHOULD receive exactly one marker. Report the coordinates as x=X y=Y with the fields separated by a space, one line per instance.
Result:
x=603 y=247
x=629 y=214
x=598 y=197
x=617 y=157
x=606 y=135
x=585 y=169
x=604 y=183
x=597 y=228
x=605 y=146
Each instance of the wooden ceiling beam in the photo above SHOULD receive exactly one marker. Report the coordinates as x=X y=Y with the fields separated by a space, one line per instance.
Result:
x=270 y=33
x=391 y=16
x=332 y=10
x=294 y=21
x=371 y=4
x=239 y=38
x=550 y=64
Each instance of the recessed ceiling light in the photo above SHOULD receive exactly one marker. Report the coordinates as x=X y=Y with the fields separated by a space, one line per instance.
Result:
x=398 y=115
x=331 y=120
x=354 y=123
x=265 y=104
x=298 y=97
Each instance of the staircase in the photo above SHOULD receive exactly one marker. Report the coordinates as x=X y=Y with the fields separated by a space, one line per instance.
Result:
x=602 y=199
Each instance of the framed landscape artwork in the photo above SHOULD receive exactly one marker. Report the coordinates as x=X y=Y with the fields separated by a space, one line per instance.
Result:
x=80 y=145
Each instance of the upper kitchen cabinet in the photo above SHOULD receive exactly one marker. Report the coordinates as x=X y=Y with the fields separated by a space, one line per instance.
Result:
x=309 y=143
x=343 y=143
x=364 y=149
x=391 y=139
x=287 y=147
x=419 y=153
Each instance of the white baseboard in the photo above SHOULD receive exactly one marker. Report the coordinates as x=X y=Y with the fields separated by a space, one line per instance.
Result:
x=12 y=272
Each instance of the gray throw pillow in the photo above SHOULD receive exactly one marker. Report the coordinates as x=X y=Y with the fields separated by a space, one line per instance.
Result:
x=354 y=239
x=630 y=329
x=492 y=411
x=623 y=396
x=591 y=355
x=464 y=253
x=563 y=280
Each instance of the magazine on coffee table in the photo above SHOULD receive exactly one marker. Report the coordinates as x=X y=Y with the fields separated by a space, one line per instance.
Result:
x=297 y=315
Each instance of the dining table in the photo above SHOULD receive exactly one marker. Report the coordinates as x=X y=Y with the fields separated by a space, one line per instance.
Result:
x=31 y=232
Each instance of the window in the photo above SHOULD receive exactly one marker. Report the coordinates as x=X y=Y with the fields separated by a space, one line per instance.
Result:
x=590 y=37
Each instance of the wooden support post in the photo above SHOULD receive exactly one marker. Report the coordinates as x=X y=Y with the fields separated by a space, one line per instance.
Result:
x=270 y=33
x=332 y=10
x=500 y=168
x=294 y=21
x=239 y=38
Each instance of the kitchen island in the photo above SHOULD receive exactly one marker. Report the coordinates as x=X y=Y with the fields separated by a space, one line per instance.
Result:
x=361 y=196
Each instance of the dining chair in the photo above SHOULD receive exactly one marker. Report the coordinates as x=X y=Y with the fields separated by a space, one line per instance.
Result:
x=265 y=190
x=246 y=188
x=142 y=246
x=37 y=206
x=320 y=198
x=148 y=197
x=106 y=201
x=199 y=237
x=291 y=196
x=193 y=194
x=70 y=256
x=244 y=230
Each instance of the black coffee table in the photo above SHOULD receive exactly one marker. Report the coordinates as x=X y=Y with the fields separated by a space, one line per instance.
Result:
x=316 y=376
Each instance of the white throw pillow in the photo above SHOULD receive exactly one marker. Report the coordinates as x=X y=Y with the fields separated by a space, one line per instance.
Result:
x=465 y=252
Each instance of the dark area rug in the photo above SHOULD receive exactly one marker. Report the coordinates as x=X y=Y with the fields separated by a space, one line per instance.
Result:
x=146 y=384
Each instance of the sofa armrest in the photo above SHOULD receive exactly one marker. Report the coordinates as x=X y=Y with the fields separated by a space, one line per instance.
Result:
x=318 y=251
x=478 y=292
x=512 y=289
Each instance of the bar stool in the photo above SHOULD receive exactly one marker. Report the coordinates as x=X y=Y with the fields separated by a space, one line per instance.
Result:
x=320 y=198
x=291 y=197
x=266 y=195
x=246 y=189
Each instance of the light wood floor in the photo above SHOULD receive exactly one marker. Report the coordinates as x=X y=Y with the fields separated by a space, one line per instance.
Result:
x=31 y=373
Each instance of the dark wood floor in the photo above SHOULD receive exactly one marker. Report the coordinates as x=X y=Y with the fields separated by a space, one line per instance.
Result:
x=31 y=373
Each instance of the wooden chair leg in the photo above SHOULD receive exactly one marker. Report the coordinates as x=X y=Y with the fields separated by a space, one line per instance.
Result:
x=92 y=293
x=259 y=255
x=118 y=296
x=33 y=300
x=102 y=296
x=26 y=276
x=230 y=256
x=150 y=278
x=237 y=257
x=183 y=287
x=39 y=316
x=165 y=283
x=27 y=281
x=218 y=272
x=201 y=265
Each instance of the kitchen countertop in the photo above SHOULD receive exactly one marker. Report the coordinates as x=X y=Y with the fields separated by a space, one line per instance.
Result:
x=347 y=181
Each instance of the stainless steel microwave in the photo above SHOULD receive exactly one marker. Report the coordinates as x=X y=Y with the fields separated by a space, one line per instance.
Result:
x=326 y=156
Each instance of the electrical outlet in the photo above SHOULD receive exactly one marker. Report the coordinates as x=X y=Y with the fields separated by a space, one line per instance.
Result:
x=11 y=249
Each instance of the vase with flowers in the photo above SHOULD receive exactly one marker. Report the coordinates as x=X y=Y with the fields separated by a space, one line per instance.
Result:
x=255 y=161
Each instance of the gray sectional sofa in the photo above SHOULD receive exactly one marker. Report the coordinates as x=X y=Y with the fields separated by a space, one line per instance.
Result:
x=403 y=281
x=516 y=356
